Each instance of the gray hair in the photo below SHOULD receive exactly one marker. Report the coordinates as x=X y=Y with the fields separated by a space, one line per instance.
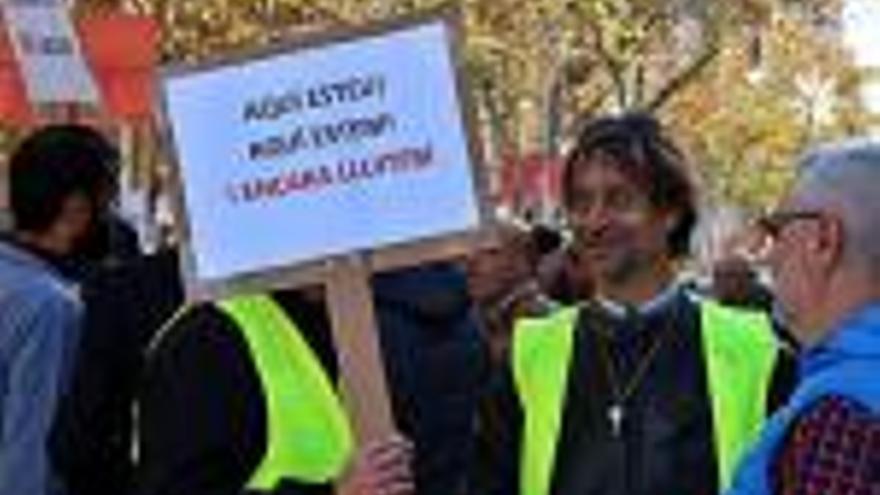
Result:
x=847 y=175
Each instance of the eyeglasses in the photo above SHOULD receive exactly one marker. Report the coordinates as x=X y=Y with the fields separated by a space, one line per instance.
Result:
x=774 y=223
x=766 y=230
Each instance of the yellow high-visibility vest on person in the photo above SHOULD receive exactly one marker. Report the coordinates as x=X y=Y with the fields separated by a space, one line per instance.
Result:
x=739 y=351
x=238 y=399
x=301 y=402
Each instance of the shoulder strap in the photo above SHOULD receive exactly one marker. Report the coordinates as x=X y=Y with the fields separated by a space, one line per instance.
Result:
x=740 y=352
x=542 y=350
x=309 y=437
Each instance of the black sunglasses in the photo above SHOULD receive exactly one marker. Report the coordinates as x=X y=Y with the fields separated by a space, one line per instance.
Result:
x=774 y=223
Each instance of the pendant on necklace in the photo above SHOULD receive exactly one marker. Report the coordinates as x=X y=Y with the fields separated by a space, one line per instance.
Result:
x=615 y=417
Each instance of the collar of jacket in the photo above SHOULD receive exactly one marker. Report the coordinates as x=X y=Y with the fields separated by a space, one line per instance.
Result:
x=856 y=336
x=28 y=256
x=622 y=310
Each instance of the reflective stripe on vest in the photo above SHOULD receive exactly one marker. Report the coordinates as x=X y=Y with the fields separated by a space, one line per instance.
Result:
x=308 y=434
x=738 y=385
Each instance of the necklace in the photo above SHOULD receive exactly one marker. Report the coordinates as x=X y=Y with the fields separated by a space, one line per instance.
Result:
x=621 y=391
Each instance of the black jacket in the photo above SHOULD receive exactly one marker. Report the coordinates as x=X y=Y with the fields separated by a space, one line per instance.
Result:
x=124 y=305
x=666 y=444
x=437 y=366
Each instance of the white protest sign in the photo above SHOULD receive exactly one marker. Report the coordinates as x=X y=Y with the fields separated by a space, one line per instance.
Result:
x=48 y=52
x=334 y=148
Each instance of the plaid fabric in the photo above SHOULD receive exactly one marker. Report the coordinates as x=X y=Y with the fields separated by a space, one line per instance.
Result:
x=833 y=450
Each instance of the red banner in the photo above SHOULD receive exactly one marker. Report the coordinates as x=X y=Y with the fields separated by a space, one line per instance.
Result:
x=122 y=52
x=530 y=180
x=14 y=106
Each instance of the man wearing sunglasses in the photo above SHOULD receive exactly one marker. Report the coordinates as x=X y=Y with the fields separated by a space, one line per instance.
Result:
x=824 y=252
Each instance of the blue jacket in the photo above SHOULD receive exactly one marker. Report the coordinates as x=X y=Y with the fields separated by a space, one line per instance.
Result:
x=847 y=364
x=39 y=326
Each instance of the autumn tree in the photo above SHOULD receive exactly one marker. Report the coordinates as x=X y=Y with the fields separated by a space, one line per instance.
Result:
x=745 y=83
x=778 y=86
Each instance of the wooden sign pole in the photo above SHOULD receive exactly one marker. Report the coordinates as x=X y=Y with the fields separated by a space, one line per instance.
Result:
x=356 y=340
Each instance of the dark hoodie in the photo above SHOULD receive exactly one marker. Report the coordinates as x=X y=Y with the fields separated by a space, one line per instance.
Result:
x=435 y=362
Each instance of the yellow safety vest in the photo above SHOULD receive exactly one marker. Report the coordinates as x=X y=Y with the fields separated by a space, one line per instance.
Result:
x=309 y=436
x=740 y=352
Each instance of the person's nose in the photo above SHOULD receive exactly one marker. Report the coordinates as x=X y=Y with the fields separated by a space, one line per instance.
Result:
x=598 y=216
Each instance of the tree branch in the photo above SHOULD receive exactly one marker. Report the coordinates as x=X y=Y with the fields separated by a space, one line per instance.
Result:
x=684 y=77
x=615 y=71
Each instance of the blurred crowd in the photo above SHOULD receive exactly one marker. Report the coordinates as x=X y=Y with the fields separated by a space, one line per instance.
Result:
x=583 y=358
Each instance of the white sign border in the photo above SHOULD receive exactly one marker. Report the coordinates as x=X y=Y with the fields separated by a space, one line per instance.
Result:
x=398 y=255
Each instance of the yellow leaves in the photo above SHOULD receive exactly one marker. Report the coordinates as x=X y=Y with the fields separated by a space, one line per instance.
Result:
x=769 y=76
x=747 y=118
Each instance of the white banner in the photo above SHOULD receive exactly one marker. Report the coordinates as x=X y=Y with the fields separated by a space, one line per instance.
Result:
x=48 y=52
x=298 y=156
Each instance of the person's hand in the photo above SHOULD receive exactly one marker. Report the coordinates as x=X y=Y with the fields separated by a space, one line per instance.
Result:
x=382 y=467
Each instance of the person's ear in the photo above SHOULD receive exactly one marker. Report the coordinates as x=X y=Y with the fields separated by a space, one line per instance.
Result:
x=75 y=217
x=830 y=240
